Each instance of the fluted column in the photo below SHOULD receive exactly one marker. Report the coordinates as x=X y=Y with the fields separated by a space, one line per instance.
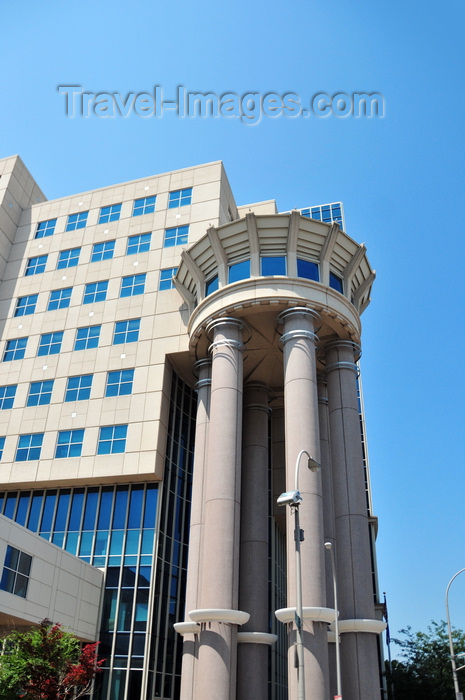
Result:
x=215 y=677
x=252 y=679
x=189 y=629
x=302 y=433
x=359 y=660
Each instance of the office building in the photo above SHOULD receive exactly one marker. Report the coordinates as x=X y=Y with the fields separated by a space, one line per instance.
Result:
x=166 y=356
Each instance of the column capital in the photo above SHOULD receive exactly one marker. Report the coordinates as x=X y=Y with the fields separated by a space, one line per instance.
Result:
x=224 y=321
x=341 y=344
x=300 y=311
x=225 y=342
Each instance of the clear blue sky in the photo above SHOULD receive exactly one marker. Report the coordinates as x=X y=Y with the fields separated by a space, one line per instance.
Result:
x=400 y=178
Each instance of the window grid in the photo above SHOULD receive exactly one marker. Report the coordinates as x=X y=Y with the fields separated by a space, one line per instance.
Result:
x=146 y=205
x=180 y=198
x=166 y=278
x=68 y=258
x=87 y=337
x=133 y=285
x=177 y=235
x=110 y=213
x=94 y=292
x=138 y=244
x=26 y=305
x=45 y=228
x=126 y=331
x=16 y=570
x=103 y=251
x=119 y=383
x=79 y=387
x=50 y=343
x=14 y=349
x=112 y=439
x=7 y=396
x=40 y=393
x=76 y=221
x=36 y=265
x=59 y=299
x=29 y=447
x=69 y=443
x=2 y=445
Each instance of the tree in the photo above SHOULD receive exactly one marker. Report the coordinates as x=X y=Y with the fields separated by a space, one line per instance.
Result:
x=424 y=669
x=46 y=663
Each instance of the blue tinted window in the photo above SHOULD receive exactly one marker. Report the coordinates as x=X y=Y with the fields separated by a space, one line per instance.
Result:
x=179 y=198
x=239 y=271
x=68 y=258
x=59 y=299
x=126 y=331
x=15 y=349
x=119 y=383
x=2 y=445
x=16 y=570
x=76 y=221
x=146 y=205
x=40 y=393
x=69 y=443
x=103 y=251
x=36 y=265
x=94 y=292
x=112 y=439
x=111 y=213
x=177 y=235
x=79 y=387
x=29 y=447
x=273 y=266
x=166 y=278
x=26 y=305
x=45 y=228
x=7 y=396
x=335 y=282
x=211 y=285
x=87 y=337
x=132 y=285
x=138 y=244
x=50 y=343
x=308 y=269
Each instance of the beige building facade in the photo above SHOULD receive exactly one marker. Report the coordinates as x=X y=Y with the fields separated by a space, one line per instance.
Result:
x=166 y=357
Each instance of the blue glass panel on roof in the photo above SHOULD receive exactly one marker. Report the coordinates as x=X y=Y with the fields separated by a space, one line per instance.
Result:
x=275 y=265
x=239 y=271
x=308 y=269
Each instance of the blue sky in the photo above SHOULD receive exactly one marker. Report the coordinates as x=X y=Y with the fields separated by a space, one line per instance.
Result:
x=400 y=178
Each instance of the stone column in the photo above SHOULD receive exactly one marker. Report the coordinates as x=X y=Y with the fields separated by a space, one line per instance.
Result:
x=252 y=669
x=189 y=629
x=359 y=659
x=302 y=433
x=215 y=677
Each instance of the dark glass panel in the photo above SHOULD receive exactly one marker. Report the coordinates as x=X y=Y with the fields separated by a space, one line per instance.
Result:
x=125 y=610
x=308 y=269
x=62 y=510
x=211 y=286
x=10 y=505
x=121 y=504
x=239 y=271
x=49 y=509
x=273 y=266
x=129 y=577
x=23 y=504
x=118 y=680
x=34 y=513
x=335 y=282
x=112 y=579
x=76 y=510
x=106 y=502
x=91 y=509
x=150 y=512
x=135 y=684
x=122 y=644
x=135 y=508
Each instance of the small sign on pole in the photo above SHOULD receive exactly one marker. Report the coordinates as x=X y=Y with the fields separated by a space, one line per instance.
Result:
x=339 y=697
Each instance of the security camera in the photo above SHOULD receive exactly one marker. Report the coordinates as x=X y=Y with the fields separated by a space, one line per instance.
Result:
x=290 y=498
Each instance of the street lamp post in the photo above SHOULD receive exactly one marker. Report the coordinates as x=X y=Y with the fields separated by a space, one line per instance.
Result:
x=329 y=546
x=458 y=694
x=293 y=499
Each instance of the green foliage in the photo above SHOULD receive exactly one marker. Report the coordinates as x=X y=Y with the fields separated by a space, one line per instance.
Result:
x=46 y=663
x=424 y=669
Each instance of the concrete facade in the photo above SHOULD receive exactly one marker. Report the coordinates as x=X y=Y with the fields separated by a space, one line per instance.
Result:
x=262 y=319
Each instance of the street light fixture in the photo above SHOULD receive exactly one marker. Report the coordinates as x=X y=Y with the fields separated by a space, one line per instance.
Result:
x=458 y=694
x=294 y=499
x=329 y=546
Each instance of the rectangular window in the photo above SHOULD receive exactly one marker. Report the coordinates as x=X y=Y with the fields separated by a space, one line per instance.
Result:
x=29 y=447
x=126 y=331
x=273 y=265
x=36 y=265
x=68 y=258
x=69 y=443
x=45 y=228
x=40 y=393
x=7 y=396
x=14 y=349
x=239 y=271
x=79 y=387
x=138 y=244
x=179 y=198
x=308 y=269
x=26 y=305
x=211 y=285
x=16 y=571
x=335 y=282
x=50 y=343
x=146 y=205
x=119 y=383
x=2 y=445
x=112 y=439
x=87 y=337
x=59 y=298
x=103 y=251
x=177 y=235
x=166 y=278
x=95 y=291
x=111 y=213
x=132 y=286
x=76 y=221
